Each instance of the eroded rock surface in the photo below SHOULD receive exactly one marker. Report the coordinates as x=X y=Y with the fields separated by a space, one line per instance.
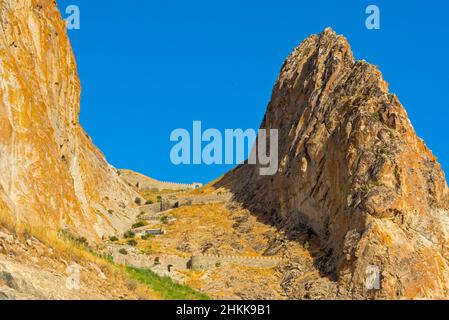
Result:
x=354 y=172
x=51 y=174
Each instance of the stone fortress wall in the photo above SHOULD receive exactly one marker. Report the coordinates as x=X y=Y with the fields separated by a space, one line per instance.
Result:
x=176 y=186
x=205 y=262
x=172 y=202
x=193 y=262
x=141 y=182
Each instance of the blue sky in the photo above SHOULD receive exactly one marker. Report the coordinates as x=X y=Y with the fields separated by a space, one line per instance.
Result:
x=149 y=67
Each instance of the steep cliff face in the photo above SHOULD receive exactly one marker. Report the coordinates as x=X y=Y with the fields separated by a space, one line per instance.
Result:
x=353 y=171
x=51 y=174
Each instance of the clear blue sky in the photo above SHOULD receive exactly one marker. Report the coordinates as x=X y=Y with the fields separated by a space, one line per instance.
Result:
x=148 y=67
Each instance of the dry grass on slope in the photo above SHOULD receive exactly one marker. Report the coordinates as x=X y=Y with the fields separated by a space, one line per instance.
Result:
x=212 y=228
x=36 y=261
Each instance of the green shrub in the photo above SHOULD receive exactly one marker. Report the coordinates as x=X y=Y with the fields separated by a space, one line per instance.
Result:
x=146 y=236
x=138 y=224
x=138 y=201
x=376 y=116
x=106 y=256
x=365 y=189
x=164 y=219
x=123 y=251
x=111 y=211
x=129 y=235
x=132 y=243
x=113 y=239
x=306 y=245
x=79 y=241
x=149 y=202
x=82 y=241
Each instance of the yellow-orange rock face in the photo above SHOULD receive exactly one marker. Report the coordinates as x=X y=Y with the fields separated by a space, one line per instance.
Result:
x=50 y=172
x=353 y=170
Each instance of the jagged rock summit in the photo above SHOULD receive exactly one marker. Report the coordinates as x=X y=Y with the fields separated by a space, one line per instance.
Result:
x=352 y=171
x=51 y=175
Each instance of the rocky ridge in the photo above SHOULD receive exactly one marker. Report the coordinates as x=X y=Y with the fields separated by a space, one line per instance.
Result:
x=353 y=172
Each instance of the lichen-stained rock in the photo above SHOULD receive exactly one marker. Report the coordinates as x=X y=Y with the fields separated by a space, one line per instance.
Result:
x=50 y=172
x=352 y=169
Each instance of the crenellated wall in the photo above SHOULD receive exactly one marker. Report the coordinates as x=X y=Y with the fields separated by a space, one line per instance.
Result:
x=142 y=182
x=195 y=262
x=205 y=262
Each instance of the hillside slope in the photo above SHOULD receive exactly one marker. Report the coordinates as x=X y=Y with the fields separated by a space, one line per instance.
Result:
x=31 y=269
x=352 y=171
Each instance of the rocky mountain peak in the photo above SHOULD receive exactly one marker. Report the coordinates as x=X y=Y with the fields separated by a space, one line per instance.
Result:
x=353 y=171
